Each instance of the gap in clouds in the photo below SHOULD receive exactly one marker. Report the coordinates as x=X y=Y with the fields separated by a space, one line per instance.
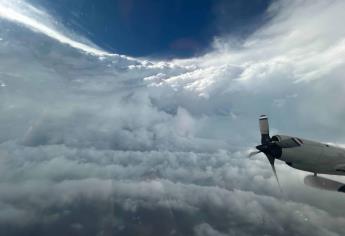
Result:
x=157 y=28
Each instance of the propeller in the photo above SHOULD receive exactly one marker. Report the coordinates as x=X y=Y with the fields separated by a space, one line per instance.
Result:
x=254 y=153
x=271 y=160
x=272 y=149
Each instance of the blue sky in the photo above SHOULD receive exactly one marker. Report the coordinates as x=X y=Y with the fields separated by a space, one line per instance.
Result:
x=158 y=28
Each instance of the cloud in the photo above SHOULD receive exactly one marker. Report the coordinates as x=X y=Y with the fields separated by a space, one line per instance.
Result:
x=205 y=229
x=93 y=145
x=290 y=63
x=25 y=14
x=198 y=187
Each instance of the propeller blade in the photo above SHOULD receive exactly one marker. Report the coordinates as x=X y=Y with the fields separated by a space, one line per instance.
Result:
x=264 y=129
x=269 y=146
x=271 y=160
x=253 y=153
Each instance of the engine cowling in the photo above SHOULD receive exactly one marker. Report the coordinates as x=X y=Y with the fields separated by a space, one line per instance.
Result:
x=285 y=141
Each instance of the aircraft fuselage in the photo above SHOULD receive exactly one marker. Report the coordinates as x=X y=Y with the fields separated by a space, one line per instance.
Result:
x=313 y=156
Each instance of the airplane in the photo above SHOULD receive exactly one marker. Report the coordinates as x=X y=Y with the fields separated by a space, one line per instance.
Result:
x=302 y=154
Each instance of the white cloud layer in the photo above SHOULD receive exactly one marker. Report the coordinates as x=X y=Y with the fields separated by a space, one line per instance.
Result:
x=138 y=141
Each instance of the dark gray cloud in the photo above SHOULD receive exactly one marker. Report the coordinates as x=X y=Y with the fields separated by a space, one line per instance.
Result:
x=98 y=144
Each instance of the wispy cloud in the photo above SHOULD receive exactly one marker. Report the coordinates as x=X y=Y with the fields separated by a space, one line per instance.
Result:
x=21 y=12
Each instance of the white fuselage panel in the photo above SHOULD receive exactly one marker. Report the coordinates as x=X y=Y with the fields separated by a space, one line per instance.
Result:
x=315 y=157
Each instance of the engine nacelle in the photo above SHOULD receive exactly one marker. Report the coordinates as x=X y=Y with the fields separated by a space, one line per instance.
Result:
x=285 y=141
